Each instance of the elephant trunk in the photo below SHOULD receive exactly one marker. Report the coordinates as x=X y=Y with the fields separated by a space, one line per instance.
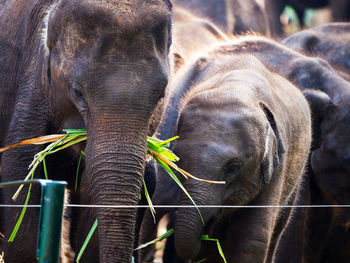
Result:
x=115 y=157
x=188 y=225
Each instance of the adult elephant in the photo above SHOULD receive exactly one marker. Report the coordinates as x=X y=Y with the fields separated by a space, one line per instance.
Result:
x=340 y=11
x=330 y=42
x=232 y=16
x=235 y=125
x=100 y=65
x=323 y=231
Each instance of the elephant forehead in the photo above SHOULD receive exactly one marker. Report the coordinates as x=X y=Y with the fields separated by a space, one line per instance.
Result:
x=222 y=116
x=113 y=16
x=135 y=12
x=222 y=128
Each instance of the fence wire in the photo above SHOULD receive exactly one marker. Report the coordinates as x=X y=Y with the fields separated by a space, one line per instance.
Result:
x=187 y=206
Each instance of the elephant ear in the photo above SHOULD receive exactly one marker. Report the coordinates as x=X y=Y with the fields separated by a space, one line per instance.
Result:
x=274 y=146
x=321 y=105
x=304 y=42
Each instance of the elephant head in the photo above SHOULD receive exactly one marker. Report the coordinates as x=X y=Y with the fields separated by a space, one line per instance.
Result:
x=226 y=136
x=106 y=67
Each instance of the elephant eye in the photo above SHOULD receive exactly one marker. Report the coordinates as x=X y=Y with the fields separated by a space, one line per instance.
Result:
x=232 y=167
x=78 y=94
x=77 y=91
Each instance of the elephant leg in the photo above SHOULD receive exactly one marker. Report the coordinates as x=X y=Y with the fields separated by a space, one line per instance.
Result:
x=66 y=252
x=250 y=239
x=148 y=232
x=300 y=14
x=150 y=181
x=340 y=10
x=82 y=219
x=20 y=250
x=274 y=9
x=14 y=164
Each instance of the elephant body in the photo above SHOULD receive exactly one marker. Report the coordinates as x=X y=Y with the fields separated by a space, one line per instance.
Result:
x=327 y=180
x=192 y=33
x=232 y=16
x=340 y=11
x=99 y=65
x=236 y=125
x=330 y=42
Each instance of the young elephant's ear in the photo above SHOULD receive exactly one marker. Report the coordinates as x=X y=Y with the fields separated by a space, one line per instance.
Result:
x=321 y=105
x=274 y=146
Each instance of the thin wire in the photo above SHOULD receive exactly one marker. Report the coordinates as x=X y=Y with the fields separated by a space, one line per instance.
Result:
x=209 y=206
x=14 y=206
x=190 y=206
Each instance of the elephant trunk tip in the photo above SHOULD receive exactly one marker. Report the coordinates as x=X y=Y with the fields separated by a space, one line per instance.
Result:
x=187 y=243
x=187 y=251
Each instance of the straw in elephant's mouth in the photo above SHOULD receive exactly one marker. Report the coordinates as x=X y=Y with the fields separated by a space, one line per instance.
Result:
x=156 y=149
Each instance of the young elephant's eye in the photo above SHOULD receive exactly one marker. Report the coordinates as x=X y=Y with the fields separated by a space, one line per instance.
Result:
x=232 y=167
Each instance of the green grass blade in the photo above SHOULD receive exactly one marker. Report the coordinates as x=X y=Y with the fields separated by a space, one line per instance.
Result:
x=45 y=170
x=77 y=173
x=149 y=201
x=221 y=252
x=161 y=150
x=160 y=238
x=201 y=261
x=20 y=219
x=162 y=143
x=70 y=143
x=75 y=131
x=174 y=177
x=87 y=240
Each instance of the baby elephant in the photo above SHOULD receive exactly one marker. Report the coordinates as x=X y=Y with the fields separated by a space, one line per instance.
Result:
x=251 y=128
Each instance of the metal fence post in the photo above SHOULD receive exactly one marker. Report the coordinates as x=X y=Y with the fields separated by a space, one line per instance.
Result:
x=50 y=218
x=50 y=221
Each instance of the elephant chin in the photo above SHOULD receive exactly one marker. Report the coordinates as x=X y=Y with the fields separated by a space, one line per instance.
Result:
x=188 y=229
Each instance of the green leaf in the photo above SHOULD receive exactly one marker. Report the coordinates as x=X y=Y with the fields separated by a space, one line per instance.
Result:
x=87 y=240
x=77 y=173
x=161 y=150
x=174 y=177
x=202 y=260
x=160 y=238
x=149 y=201
x=75 y=131
x=20 y=219
x=45 y=170
x=162 y=143
x=221 y=252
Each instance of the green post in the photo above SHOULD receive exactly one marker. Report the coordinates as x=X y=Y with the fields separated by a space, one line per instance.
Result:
x=50 y=219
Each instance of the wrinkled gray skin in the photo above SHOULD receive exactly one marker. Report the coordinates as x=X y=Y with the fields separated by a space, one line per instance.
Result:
x=247 y=126
x=99 y=65
x=203 y=34
x=192 y=33
x=340 y=10
x=330 y=42
x=166 y=192
x=232 y=16
x=324 y=232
